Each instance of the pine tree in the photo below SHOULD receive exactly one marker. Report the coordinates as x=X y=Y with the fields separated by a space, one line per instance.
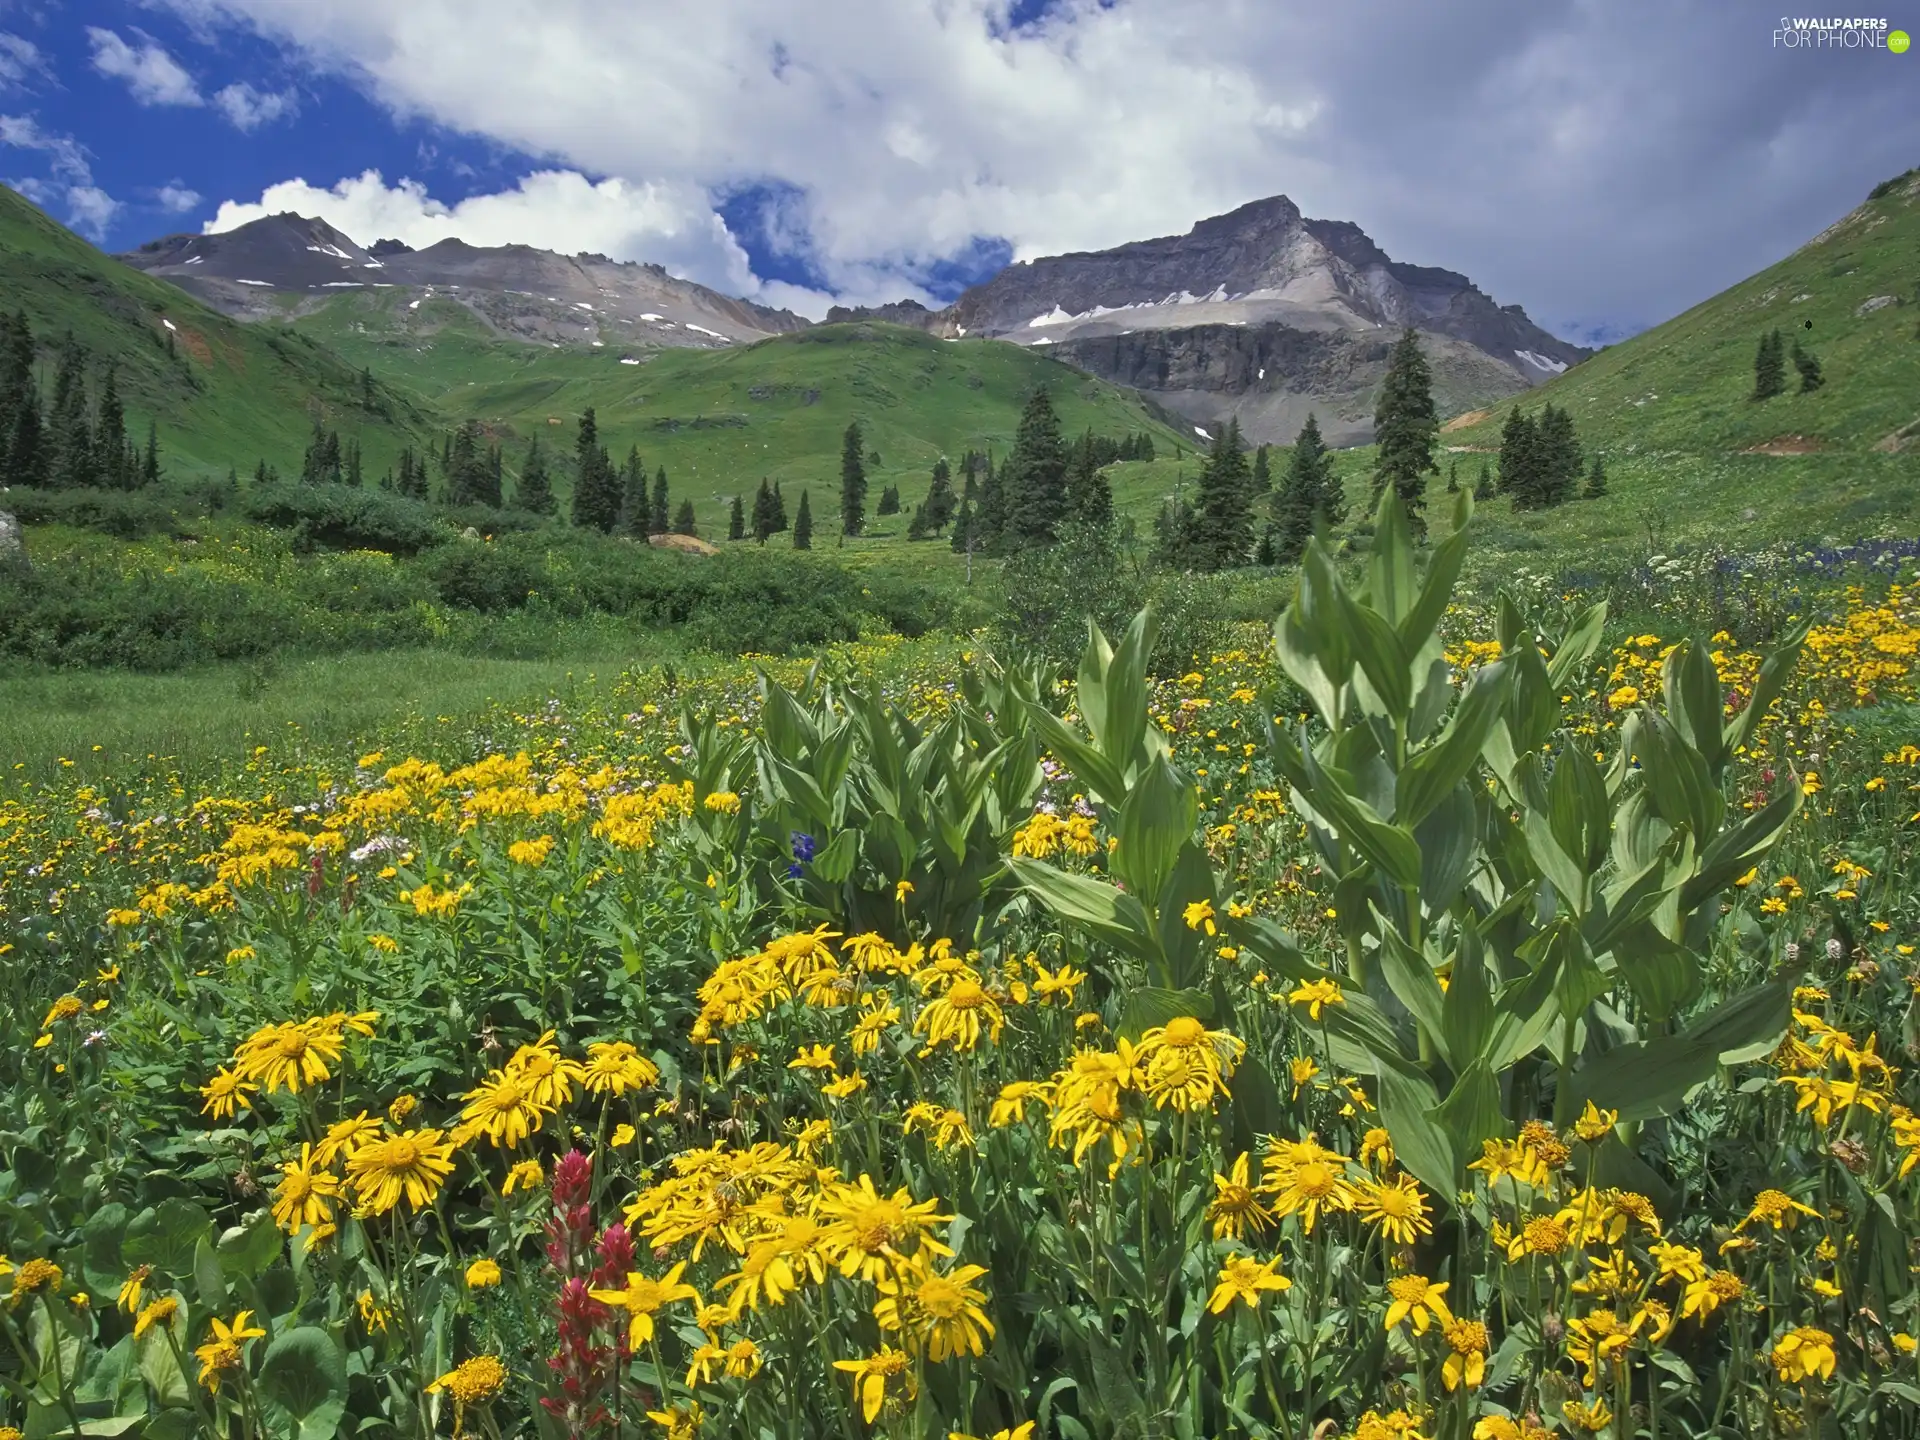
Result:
x=1520 y=459
x=917 y=525
x=889 y=501
x=1308 y=494
x=1483 y=487
x=938 y=509
x=150 y=461
x=1558 y=466
x=496 y=491
x=763 y=525
x=779 y=510
x=963 y=527
x=990 y=515
x=636 y=509
x=111 y=465
x=1262 y=472
x=1224 y=512
x=534 y=493
x=1453 y=477
x=683 y=523
x=1810 y=377
x=1406 y=427
x=853 y=485
x=465 y=466
x=356 y=468
x=1596 y=479
x=1034 y=482
x=737 y=521
x=803 y=524
x=71 y=463
x=596 y=489
x=1089 y=493
x=1769 y=367
x=661 y=517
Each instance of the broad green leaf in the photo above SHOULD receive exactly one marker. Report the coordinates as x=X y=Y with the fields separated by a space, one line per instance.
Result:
x=1735 y=850
x=1664 y=976
x=1390 y=848
x=1643 y=1079
x=1533 y=703
x=1435 y=770
x=1127 y=721
x=1449 y=841
x=1421 y=1143
x=1553 y=863
x=833 y=862
x=1580 y=815
x=1103 y=780
x=1413 y=982
x=1443 y=571
x=1766 y=688
x=1293 y=646
x=303 y=1378
x=1390 y=584
x=1181 y=946
x=166 y=1237
x=1692 y=690
x=1467 y=1010
x=1577 y=646
x=1469 y=1114
x=1677 y=783
x=1750 y=1024
x=1385 y=665
x=1152 y=826
x=1106 y=913
x=1150 y=1006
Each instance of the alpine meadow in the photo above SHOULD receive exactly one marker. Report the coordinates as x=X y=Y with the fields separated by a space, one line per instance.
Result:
x=811 y=829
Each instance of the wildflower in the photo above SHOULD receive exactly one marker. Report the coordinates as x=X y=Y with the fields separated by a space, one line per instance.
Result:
x=622 y=1136
x=1062 y=982
x=1316 y=995
x=225 y=1094
x=901 y=890
x=941 y=1312
x=413 y=1164
x=873 y=1022
x=32 y=1278
x=293 y=1054
x=1200 y=914
x=723 y=802
x=871 y=1375
x=1011 y=1103
x=159 y=1312
x=373 y=1315
x=765 y=1273
x=1243 y=1278
x=1215 y=1051
x=221 y=1354
x=1416 y=1298
x=130 y=1290
x=1678 y=1262
x=1306 y=1179
x=1777 y=1209
x=1803 y=1353
x=1623 y=697
x=304 y=1193
x=1376 y=1148
x=483 y=1273
x=523 y=1175
x=1236 y=1210
x=1397 y=1209
x=1707 y=1294
x=1599 y=1338
x=1595 y=1123
x=957 y=1016
x=65 y=1008
x=616 y=1066
x=1592 y=1416
x=867 y=1230
x=813 y=1057
x=471 y=1382
x=643 y=1297
x=1467 y=1362
x=1501 y=1427
x=343 y=1137
x=401 y=1108
x=846 y=1085
x=550 y=1075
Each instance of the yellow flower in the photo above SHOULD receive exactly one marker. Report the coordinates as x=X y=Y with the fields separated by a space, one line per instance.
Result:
x=130 y=1290
x=1707 y=1294
x=1777 y=1209
x=1200 y=914
x=240 y=954
x=643 y=1297
x=1012 y=1101
x=901 y=891
x=1022 y=1431
x=813 y=1057
x=305 y=1193
x=1802 y=1353
x=291 y=1053
x=617 y=1066
x=940 y=1312
x=1306 y=1179
x=413 y=1164
x=1244 y=1278
x=1316 y=995
x=33 y=1277
x=1595 y=1123
x=373 y=1315
x=482 y=1273
x=1236 y=1210
x=1599 y=1338
x=222 y=1353
x=1592 y=1416
x=764 y=1274
x=622 y=1136
x=343 y=1137
x=502 y=1107
x=65 y=1008
x=1623 y=697
x=871 y=1374
x=723 y=802
x=957 y=1016
x=867 y=1231
x=1466 y=1363
x=1416 y=1298
x=524 y=1175
x=225 y=1094
x=1678 y=1262
x=471 y=1382
x=530 y=852
x=159 y=1312
x=1397 y=1209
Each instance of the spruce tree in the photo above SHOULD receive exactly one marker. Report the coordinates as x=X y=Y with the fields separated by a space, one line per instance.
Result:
x=662 y=515
x=938 y=509
x=683 y=522
x=853 y=485
x=763 y=525
x=990 y=515
x=1519 y=459
x=150 y=460
x=917 y=526
x=636 y=509
x=496 y=491
x=803 y=524
x=111 y=465
x=779 y=510
x=1262 y=472
x=1769 y=367
x=737 y=521
x=1308 y=494
x=889 y=501
x=1483 y=487
x=71 y=434
x=1453 y=477
x=1089 y=493
x=1224 y=512
x=466 y=467
x=1034 y=478
x=1809 y=368
x=1406 y=427
x=1596 y=479
x=962 y=527
x=357 y=474
x=596 y=489
x=534 y=493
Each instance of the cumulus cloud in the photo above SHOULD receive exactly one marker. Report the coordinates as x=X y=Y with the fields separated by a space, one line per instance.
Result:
x=21 y=62
x=66 y=156
x=175 y=198
x=1589 y=160
x=152 y=76
x=90 y=210
x=248 y=109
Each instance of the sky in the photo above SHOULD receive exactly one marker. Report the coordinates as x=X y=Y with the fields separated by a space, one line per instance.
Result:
x=1604 y=163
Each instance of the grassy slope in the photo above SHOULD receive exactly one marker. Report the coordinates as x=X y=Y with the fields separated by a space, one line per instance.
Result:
x=229 y=395
x=916 y=397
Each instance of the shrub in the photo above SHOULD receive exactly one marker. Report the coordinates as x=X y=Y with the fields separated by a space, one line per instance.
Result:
x=340 y=517
x=477 y=575
x=126 y=516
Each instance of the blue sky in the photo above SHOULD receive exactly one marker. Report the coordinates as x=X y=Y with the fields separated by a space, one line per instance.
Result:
x=1605 y=165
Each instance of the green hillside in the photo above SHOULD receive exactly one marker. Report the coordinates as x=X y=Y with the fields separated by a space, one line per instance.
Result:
x=721 y=419
x=228 y=394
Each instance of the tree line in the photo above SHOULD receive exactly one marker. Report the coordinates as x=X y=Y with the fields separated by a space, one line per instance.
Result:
x=71 y=440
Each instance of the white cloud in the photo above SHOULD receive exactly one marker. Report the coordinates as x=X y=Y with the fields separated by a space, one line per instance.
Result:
x=90 y=210
x=176 y=198
x=66 y=156
x=153 y=76
x=1594 y=164
x=20 y=62
x=248 y=108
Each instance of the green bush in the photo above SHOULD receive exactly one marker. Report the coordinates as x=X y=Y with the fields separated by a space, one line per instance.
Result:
x=340 y=517
x=478 y=575
x=124 y=515
x=1051 y=593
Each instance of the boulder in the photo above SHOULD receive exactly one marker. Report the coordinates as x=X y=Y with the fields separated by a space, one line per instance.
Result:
x=13 y=543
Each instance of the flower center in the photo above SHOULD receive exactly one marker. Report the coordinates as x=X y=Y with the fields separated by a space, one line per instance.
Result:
x=1184 y=1031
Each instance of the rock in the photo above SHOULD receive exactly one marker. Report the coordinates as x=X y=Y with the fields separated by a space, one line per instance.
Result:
x=469 y=533
x=1878 y=302
x=1749 y=514
x=13 y=544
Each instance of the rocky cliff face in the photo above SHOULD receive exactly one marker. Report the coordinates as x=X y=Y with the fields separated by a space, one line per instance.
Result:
x=518 y=291
x=1260 y=313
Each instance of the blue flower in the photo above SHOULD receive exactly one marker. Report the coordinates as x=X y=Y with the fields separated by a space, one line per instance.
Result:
x=803 y=846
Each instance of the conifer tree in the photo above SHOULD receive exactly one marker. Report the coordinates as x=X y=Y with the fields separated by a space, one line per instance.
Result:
x=763 y=525
x=1596 y=479
x=683 y=522
x=889 y=501
x=938 y=509
x=661 y=518
x=1224 y=512
x=111 y=465
x=1519 y=459
x=496 y=491
x=1483 y=487
x=1309 y=494
x=1406 y=427
x=150 y=460
x=71 y=463
x=917 y=525
x=779 y=510
x=1810 y=377
x=636 y=509
x=963 y=527
x=1262 y=472
x=534 y=493
x=853 y=484
x=1034 y=478
x=596 y=488
x=1089 y=493
x=1769 y=367
x=803 y=524
x=1453 y=477
x=737 y=521
x=990 y=516
x=466 y=467
x=1558 y=456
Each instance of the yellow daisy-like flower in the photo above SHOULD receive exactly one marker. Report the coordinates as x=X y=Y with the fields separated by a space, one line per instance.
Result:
x=1011 y=1103
x=644 y=1297
x=483 y=1273
x=1595 y=1123
x=413 y=1164
x=1777 y=1209
x=938 y=1312
x=1466 y=1362
x=956 y=1017
x=293 y=1054
x=225 y=1094
x=305 y=1193
x=1707 y=1294
x=221 y=1354
x=868 y=1233
x=33 y=1277
x=343 y=1137
x=1247 y=1279
x=65 y=1008
x=1236 y=1211
x=1802 y=1354
x=617 y=1066
x=1397 y=1208
x=502 y=1107
x=622 y=1136
x=1416 y=1298
x=471 y=1382
x=765 y=1273
x=159 y=1312
x=524 y=1175
x=873 y=1373
x=1316 y=995
x=550 y=1074
x=130 y=1290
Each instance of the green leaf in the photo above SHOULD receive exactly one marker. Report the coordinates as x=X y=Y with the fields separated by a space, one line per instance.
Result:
x=1413 y=982
x=833 y=862
x=1384 y=663
x=1154 y=824
x=1643 y=1079
x=1733 y=851
x=210 y=1284
x=1106 y=913
x=1692 y=689
x=1390 y=848
x=1257 y=1107
x=1431 y=774
x=1090 y=767
x=1469 y=1114
x=1664 y=975
x=166 y=1237
x=1533 y=703
x=1181 y=945
x=1577 y=646
x=1676 y=780
x=1150 y=1006
x=1449 y=841
x=303 y=1378
x=1390 y=587
x=1766 y=688
x=1467 y=1011
x=1127 y=720
x=1293 y=646
x=1579 y=813
x=1420 y=1143
x=1443 y=571
x=1750 y=1024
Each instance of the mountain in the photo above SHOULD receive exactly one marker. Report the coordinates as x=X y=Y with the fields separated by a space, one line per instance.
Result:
x=1260 y=313
x=286 y=266
x=221 y=393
